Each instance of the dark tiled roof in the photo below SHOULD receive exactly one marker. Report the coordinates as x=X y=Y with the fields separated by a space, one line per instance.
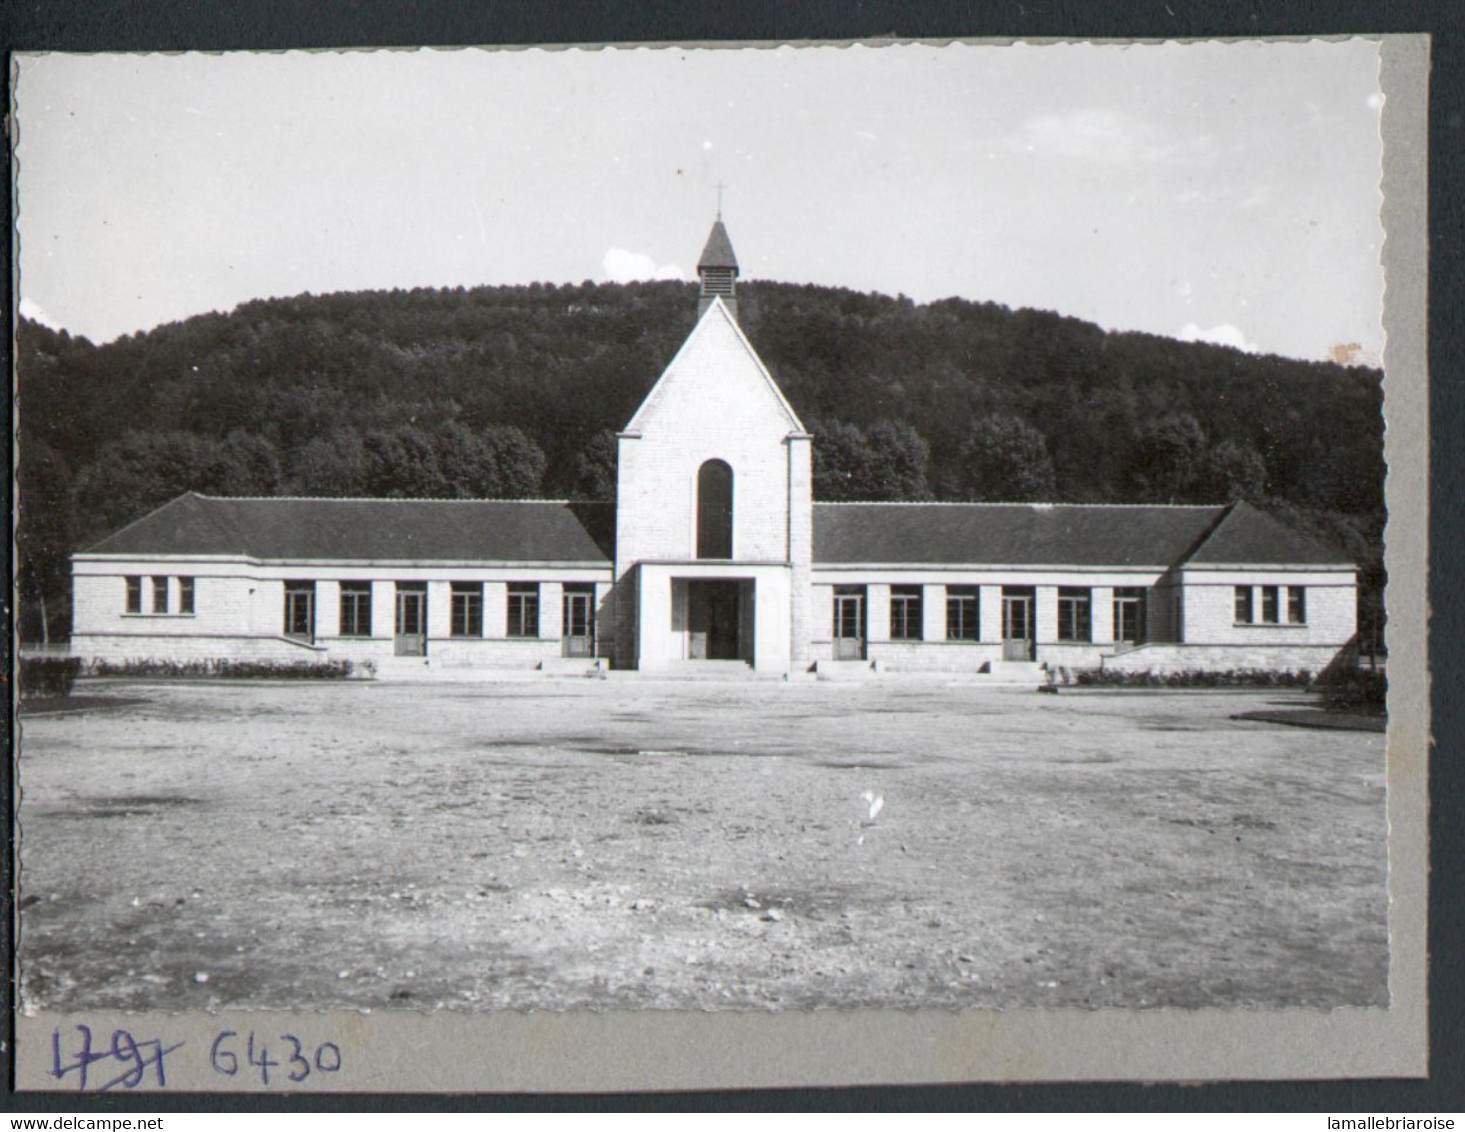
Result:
x=1017 y=534
x=487 y=530
x=1248 y=537
x=491 y=530
x=1007 y=534
x=718 y=252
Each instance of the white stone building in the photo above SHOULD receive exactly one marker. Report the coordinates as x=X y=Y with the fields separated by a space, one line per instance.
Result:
x=714 y=552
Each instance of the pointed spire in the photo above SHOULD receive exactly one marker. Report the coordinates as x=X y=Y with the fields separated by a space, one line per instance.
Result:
x=718 y=270
x=718 y=251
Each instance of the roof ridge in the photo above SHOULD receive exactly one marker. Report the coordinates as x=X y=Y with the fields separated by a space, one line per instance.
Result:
x=110 y=535
x=1209 y=533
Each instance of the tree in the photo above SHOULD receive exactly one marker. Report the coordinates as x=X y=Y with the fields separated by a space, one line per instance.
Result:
x=498 y=462
x=333 y=465
x=465 y=461
x=1231 y=471
x=44 y=539
x=402 y=463
x=518 y=463
x=1168 y=459
x=899 y=456
x=139 y=473
x=1005 y=459
x=841 y=454
x=243 y=464
x=595 y=467
x=886 y=463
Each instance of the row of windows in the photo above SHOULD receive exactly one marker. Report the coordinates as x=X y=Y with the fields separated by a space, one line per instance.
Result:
x=465 y=613
x=160 y=589
x=1075 y=620
x=1271 y=605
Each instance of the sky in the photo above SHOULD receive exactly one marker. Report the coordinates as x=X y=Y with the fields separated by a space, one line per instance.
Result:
x=1222 y=192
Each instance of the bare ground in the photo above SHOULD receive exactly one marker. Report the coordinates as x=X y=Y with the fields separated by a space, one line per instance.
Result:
x=626 y=843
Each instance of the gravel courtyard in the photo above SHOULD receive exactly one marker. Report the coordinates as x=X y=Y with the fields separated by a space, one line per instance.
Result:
x=627 y=843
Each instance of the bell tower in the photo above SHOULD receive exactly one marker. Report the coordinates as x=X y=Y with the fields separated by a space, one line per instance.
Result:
x=718 y=271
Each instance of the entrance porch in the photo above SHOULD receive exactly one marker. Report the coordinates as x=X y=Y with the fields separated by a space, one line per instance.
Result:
x=706 y=612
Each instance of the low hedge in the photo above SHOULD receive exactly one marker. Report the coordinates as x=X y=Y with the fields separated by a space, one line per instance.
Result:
x=1355 y=690
x=48 y=675
x=1195 y=678
x=226 y=669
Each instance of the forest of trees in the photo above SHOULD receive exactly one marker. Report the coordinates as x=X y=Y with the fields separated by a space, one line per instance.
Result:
x=516 y=391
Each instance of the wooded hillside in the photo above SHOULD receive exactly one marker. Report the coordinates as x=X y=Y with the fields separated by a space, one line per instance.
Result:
x=513 y=391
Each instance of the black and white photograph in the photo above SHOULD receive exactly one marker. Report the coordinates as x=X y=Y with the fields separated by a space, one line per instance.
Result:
x=764 y=530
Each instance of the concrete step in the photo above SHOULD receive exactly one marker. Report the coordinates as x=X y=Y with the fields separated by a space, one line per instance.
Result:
x=573 y=665
x=703 y=670
x=847 y=669
x=1016 y=672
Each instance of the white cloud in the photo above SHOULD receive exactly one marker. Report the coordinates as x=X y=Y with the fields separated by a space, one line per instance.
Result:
x=1108 y=136
x=621 y=266
x=31 y=309
x=1223 y=335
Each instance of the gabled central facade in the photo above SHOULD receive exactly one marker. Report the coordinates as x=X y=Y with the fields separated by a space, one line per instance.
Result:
x=714 y=505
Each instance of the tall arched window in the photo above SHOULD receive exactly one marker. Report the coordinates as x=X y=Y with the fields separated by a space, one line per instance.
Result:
x=714 y=510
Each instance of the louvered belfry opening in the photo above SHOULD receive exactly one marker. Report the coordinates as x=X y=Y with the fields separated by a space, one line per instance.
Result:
x=717 y=281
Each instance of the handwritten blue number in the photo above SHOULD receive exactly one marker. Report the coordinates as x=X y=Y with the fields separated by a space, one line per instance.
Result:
x=216 y=1055
x=295 y=1056
x=83 y=1059
x=264 y=1063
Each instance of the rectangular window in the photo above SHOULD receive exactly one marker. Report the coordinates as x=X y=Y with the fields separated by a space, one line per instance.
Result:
x=1269 y=605
x=523 y=609
x=467 y=609
x=134 y=595
x=355 y=609
x=1074 y=604
x=185 y=595
x=905 y=613
x=1296 y=605
x=160 y=595
x=961 y=613
x=1244 y=613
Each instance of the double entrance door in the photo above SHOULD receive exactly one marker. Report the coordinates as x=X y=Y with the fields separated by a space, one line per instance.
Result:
x=714 y=619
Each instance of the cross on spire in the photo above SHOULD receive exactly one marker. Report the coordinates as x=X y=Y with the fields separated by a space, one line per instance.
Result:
x=719 y=187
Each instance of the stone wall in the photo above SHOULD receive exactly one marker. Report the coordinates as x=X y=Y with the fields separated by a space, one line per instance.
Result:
x=1209 y=612
x=124 y=647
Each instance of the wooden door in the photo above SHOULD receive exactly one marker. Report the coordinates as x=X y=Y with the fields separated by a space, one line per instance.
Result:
x=1017 y=627
x=300 y=611
x=1129 y=616
x=411 y=638
x=849 y=626
x=723 y=620
x=713 y=619
x=579 y=623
